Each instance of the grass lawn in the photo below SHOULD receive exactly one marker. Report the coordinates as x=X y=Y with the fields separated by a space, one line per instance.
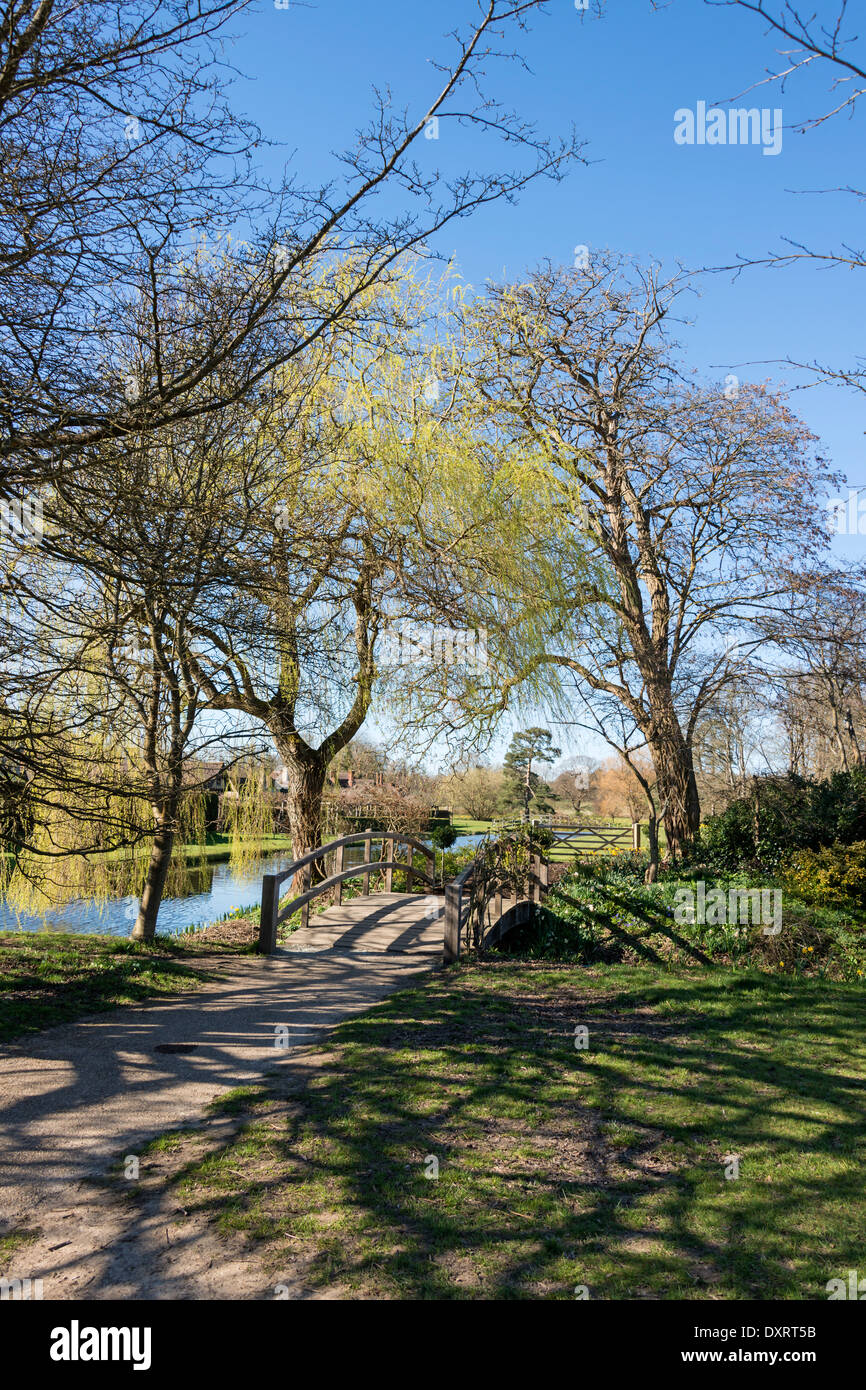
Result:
x=559 y=1168
x=218 y=847
x=54 y=977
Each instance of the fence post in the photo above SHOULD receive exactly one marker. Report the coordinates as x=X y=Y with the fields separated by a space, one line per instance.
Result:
x=410 y=877
x=451 y=951
x=635 y=834
x=338 y=869
x=268 y=917
x=368 y=852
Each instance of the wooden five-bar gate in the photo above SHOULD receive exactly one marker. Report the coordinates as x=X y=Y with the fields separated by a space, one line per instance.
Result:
x=578 y=835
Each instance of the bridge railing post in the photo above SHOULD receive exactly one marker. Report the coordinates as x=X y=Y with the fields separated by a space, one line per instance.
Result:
x=305 y=884
x=545 y=875
x=390 y=853
x=453 y=902
x=338 y=869
x=268 y=918
x=368 y=853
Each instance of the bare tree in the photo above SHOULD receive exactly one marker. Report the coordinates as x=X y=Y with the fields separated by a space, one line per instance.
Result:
x=731 y=734
x=477 y=791
x=118 y=153
x=574 y=782
x=102 y=706
x=822 y=626
x=814 y=41
x=671 y=504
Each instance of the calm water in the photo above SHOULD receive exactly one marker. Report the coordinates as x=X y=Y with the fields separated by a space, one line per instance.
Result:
x=213 y=890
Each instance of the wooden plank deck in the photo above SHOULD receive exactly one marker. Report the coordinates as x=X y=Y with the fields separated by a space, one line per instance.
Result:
x=408 y=923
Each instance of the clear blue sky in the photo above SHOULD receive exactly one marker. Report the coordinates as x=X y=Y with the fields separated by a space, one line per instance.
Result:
x=309 y=71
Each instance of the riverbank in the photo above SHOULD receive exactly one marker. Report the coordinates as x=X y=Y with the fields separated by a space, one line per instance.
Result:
x=47 y=978
x=218 y=848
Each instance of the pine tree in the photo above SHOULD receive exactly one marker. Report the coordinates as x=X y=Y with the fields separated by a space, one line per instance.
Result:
x=524 y=785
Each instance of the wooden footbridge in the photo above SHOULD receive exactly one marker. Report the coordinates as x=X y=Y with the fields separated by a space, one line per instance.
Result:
x=477 y=908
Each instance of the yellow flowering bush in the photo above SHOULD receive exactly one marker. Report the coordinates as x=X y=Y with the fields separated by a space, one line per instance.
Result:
x=834 y=874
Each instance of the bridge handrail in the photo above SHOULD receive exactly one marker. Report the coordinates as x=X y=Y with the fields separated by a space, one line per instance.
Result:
x=272 y=915
x=355 y=838
x=457 y=915
x=354 y=872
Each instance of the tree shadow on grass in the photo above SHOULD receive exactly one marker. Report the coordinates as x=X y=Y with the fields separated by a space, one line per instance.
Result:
x=656 y=922
x=37 y=1002
x=558 y=1167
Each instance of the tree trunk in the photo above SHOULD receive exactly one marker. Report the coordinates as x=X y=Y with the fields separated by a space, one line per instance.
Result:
x=157 y=869
x=675 y=775
x=852 y=737
x=306 y=769
x=840 y=742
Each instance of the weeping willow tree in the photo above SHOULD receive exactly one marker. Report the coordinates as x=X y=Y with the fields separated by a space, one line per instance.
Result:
x=398 y=503
x=247 y=812
x=487 y=546
x=94 y=739
x=293 y=644
x=70 y=850
x=61 y=862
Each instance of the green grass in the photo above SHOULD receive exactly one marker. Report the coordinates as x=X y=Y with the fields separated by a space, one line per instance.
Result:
x=559 y=1167
x=218 y=847
x=11 y=1242
x=54 y=977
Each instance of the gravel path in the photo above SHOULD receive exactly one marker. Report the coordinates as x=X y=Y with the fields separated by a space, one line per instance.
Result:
x=76 y=1099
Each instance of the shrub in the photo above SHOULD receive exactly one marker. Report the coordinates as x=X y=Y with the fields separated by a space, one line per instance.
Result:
x=619 y=864
x=839 y=807
x=793 y=814
x=832 y=874
x=454 y=861
x=443 y=835
x=543 y=837
x=595 y=916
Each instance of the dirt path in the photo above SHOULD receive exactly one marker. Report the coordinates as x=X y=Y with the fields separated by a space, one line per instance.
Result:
x=78 y=1098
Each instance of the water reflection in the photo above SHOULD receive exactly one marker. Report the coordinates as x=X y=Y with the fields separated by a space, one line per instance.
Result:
x=197 y=892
